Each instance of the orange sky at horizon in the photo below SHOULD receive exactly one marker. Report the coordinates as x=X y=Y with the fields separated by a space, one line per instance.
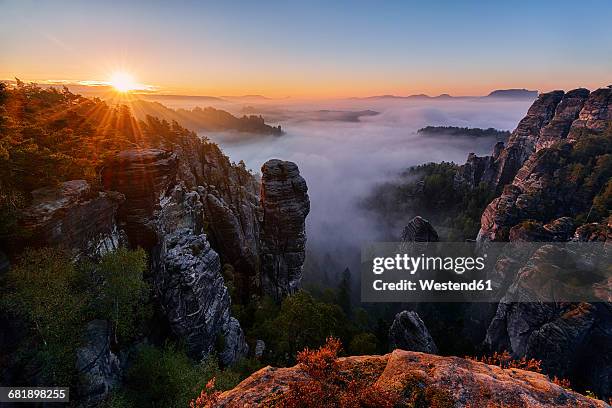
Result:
x=310 y=89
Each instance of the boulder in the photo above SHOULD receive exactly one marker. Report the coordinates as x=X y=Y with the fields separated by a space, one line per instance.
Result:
x=429 y=379
x=408 y=332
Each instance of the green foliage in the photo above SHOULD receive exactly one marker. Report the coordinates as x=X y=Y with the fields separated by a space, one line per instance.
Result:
x=46 y=290
x=363 y=344
x=166 y=377
x=56 y=298
x=163 y=378
x=123 y=292
x=428 y=190
x=301 y=322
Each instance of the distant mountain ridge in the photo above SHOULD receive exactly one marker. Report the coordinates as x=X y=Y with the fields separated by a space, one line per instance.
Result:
x=513 y=93
x=205 y=119
x=498 y=93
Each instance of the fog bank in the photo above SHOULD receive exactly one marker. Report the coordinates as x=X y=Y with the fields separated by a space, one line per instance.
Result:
x=341 y=161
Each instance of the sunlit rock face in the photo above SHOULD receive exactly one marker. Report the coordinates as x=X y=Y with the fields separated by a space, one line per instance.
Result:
x=285 y=204
x=596 y=113
x=408 y=332
x=444 y=381
x=143 y=176
x=522 y=142
x=73 y=216
x=533 y=193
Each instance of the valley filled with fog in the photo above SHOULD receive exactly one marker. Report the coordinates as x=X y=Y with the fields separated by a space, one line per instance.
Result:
x=345 y=148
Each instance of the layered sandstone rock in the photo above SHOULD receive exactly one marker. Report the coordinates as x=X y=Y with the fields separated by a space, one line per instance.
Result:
x=73 y=216
x=522 y=142
x=167 y=217
x=450 y=381
x=535 y=319
x=188 y=280
x=408 y=332
x=143 y=176
x=595 y=115
x=419 y=229
x=285 y=204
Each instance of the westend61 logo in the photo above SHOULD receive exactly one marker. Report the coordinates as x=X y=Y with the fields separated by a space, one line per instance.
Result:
x=471 y=272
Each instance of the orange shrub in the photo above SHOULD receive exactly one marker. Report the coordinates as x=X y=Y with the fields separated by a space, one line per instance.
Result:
x=326 y=386
x=505 y=360
x=208 y=397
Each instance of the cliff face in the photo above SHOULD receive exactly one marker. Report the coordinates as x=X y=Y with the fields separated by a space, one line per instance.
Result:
x=428 y=379
x=556 y=188
x=529 y=167
x=552 y=117
x=285 y=203
x=74 y=217
x=194 y=211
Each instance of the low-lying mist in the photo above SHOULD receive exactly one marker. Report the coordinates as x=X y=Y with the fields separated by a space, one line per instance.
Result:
x=342 y=160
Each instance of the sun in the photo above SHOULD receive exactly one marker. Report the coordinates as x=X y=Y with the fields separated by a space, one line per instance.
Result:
x=123 y=82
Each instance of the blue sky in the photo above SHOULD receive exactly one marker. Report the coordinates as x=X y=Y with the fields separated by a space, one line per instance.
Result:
x=313 y=48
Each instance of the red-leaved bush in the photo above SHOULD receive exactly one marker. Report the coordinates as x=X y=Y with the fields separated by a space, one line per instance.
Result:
x=325 y=386
x=208 y=397
x=505 y=360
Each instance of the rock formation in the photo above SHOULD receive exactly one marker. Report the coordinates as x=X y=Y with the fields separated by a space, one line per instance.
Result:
x=285 y=204
x=408 y=332
x=99 y=369
x=534 y=191
x=419 y=229
x=143 y=177
x=450 y=381
x=73 y=216
x=167 y=218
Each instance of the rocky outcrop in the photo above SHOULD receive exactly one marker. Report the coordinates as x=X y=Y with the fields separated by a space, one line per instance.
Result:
x=143 y=176
x=565 y=114
x=428 y=379
x=189 y=283
x=596 y=114
x=99 y=369
x=165 y=215
x=559 y=230
x=285 y=205
x=522 y=142
x=419 y=229
x=75 y=217
x=534 y=319
x=408 y=332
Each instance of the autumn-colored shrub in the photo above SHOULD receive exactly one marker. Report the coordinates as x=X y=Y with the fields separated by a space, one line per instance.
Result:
x=208 y=397
x=562 y=382
x=505 y=360
x=327 y=386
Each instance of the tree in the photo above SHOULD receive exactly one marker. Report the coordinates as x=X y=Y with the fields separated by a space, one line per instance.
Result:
x=344 y=292
x=363 y=344
x=302 y=322
x=123 y=290
x=46 y=290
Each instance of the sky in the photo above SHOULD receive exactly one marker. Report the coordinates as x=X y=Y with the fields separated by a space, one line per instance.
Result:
x=311 y=48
